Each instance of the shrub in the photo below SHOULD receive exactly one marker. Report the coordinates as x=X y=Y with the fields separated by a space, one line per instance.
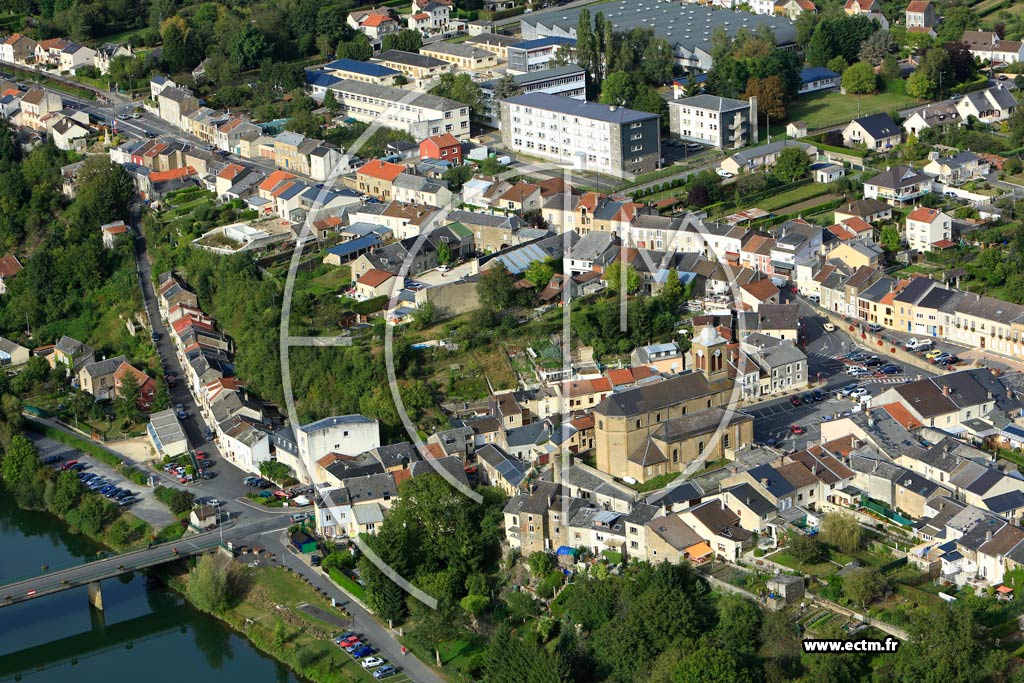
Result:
x=176 y=500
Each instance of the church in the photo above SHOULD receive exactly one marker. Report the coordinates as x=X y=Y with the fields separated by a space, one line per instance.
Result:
x=665 y=426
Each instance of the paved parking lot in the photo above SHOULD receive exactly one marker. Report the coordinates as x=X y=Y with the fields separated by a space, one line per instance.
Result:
x=147 y=507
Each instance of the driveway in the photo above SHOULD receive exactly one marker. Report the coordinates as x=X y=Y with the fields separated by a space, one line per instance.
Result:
x=434 y=278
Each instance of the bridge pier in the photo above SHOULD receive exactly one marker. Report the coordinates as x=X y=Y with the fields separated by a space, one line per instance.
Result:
x=95 y=595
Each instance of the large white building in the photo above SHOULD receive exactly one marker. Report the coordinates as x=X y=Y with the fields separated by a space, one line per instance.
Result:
x=419 y=114
x=589 y=136
x=303 y=446
x=720 y=122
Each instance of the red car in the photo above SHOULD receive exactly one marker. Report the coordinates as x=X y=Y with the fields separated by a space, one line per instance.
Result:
x=68 y=464
x=351 y=640
x=795 y=401
x=797 y=429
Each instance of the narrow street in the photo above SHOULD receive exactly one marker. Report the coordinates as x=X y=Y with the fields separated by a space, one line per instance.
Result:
x=363 y=622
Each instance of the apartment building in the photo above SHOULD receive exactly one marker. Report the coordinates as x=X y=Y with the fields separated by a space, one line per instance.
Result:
x=569 y=80
x=461 y=56
x=928 y=229
x=414 y=66
x=589 y=136
x=537 y=55
x=419 y=114
x=720 y=122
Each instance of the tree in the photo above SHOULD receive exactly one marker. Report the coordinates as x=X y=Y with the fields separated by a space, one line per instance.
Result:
x=506 y=87
x=961 y=61
x=710 y=663
x=90 y=515
x=496 y=289
x=406 y=40
x=1016 y=125
x=955 y=20
x=357 y=48
x=178 y=54
x=20 y=462
x=943 y=645
x=863 y=585
x=919 y=85
x=673 y=291
x=331 y=103
x=216 y=583
x=838 y=64
x=539 y=273
x=877 y=47
x=619 y=89
x=248 y=48
x=771 y=98
x=791 y=164
x=937 y=65
x=456 y=177
x=859 y=79
x=127 y=402
x=461 y=88
x=843 y=531
x=806 y=549
x=424 y=314
x=613 y=276
x=890 y=237
x=540 y=563
x=890 y=67
x=586 y=49
x=67 y=493
x=475 y=604
x=444 y=254
x=658 y=62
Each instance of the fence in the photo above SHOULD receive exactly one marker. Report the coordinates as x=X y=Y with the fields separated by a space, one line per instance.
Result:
x=894 y=565
x=887 y=513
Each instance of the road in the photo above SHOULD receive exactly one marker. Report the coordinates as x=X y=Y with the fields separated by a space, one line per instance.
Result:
x=363 y=622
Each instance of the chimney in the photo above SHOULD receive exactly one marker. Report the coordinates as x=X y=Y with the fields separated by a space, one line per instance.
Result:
x=764 y=482
x=945 y=390
x=814 y=468
x=988 y=536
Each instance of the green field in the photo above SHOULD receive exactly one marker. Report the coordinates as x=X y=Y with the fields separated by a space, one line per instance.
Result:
x=797 y=194
x=822 y=110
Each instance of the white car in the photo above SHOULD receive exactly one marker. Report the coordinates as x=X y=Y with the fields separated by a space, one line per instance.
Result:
x=443 y=268
x=829 y=327
x=371 y=662
x=858 y=371
x=723 y=173
x=859 y=392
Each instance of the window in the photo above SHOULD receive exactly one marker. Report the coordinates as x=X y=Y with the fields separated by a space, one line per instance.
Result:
x=725 y=441
x=638 y=424
x=675 y=455
x=634 y=545
x=700 y=448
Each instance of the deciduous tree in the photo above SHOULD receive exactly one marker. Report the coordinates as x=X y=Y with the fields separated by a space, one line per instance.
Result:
x=860 y=79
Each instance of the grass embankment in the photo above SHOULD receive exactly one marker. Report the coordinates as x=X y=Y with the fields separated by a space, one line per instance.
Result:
x=269 y=616
x=821 y=110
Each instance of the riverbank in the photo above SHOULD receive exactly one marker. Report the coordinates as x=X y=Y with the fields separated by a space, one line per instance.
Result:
x=276 y=616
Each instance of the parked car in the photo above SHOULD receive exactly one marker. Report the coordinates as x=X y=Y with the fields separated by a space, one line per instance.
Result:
x=342 y=636
x=155 y=336
x=818 y=394
x=848 y=389
x=828 y=327
x=68 y=465
x=808 y=397
x=797 y=429
x=795 y=401
x=890 y=370
x=874 y=362
x=934 y=353
x=364 y=651
x=384 y=671
x=722 y=173
x=859 y=392
x=875 y=328
x=353 y=647
x=372 y=662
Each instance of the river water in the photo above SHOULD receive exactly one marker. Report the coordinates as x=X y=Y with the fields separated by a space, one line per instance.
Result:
x=146 y=632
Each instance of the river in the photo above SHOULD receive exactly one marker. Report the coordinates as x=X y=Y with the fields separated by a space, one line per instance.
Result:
x=146 y=632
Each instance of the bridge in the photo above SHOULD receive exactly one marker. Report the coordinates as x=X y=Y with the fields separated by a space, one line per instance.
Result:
x=91 y=574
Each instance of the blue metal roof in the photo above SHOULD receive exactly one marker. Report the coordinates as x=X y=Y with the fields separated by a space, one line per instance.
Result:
x=544 y=42
x=352 y=246
x=816 y=73
x=357 y=67
x=701 y=78
x=321 y=79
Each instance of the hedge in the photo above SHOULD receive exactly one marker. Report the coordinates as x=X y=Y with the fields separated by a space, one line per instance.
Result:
x=347 y=584
x=487 y=15
x=979 y=83
x=177 y=500
x=374 y=305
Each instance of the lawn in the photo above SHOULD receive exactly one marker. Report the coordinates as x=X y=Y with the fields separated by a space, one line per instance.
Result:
x=822 y=110
x=786 y=560
x=270 y=608
x=797 y=194
x=657 y=482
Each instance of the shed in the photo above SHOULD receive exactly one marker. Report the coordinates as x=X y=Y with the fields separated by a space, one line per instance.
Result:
x=303 y=542
x=784 y=590
x=203 y=516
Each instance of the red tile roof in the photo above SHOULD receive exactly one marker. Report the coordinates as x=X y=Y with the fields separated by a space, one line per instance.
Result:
x=382 y=170
x=918 y=6
x=173 y=174
x=273 y=179
x=375 y=277
x=762 y=290
x=231 y=171
x=923 y=214
x=902 y=415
